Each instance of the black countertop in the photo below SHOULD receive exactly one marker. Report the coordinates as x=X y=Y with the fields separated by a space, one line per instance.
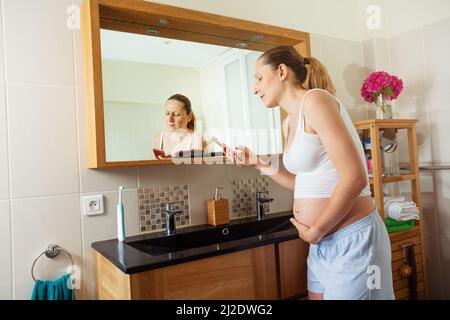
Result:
x=131 y=260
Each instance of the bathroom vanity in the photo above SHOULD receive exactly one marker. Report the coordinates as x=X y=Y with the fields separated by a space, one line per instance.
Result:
x=245 y=259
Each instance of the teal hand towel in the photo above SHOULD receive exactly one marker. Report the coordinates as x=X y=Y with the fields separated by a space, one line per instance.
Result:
x=53 y=290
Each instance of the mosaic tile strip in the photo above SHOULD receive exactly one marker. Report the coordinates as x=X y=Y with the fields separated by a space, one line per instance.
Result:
x=244 y=196
x=152 y=213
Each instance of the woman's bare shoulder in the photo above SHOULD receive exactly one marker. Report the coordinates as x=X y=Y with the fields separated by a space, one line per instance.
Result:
x=319 y=96
x=319 y=99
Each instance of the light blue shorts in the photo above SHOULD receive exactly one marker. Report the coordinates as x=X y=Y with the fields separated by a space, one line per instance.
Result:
x=353 y=263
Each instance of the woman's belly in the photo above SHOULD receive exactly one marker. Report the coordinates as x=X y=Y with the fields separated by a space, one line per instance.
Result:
x=307 y=211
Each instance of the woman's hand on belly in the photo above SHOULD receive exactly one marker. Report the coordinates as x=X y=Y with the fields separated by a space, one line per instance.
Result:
x=308 y=234
x=306 y=213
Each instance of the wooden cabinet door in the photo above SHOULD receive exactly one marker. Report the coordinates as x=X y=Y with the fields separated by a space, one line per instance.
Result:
x=401 y=288
x=292 y=268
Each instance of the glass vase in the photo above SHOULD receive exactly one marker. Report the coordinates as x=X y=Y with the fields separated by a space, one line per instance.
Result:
x=383 y=108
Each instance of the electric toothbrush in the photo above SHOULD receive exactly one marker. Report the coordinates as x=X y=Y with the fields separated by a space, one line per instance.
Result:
x=120 y=218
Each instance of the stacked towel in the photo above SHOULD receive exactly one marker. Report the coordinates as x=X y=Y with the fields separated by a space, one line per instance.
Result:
x=398 y=209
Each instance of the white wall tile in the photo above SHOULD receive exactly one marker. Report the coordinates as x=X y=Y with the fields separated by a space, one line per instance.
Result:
x=36 y=223
x=39 y=46
x=316 y=44
x=240 y=173
x=433 y=276
x=344 y=62
x=437 y=51
x=407 y=62
x=5 y=252
x=428 y=195
x=2 y=62
x=203 y=180
x=376 y=55
x=370 y=56
x=163 y=175
x=357 y=113
x=104 y=227
x=439 y=127
x=43 y=140
x=382 y=54
x=4 y=170
x=429 y=215
x=92 y=180
x=442 y=181
x=414 y=108
x=78 y=50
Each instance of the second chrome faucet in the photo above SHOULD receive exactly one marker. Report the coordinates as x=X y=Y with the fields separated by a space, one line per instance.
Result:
x=260 y=201
x=170 y=217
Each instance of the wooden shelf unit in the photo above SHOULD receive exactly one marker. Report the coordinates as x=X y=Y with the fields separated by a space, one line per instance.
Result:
x=372 y=129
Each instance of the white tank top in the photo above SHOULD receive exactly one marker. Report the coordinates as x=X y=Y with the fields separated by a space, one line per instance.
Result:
x=178 y=147
x=306 y=157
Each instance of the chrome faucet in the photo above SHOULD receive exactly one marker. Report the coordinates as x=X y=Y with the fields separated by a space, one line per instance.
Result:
x=260 y=200
x=170 y=217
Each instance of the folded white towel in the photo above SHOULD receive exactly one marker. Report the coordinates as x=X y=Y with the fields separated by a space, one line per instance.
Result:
x=389 y=200
x=400 y=210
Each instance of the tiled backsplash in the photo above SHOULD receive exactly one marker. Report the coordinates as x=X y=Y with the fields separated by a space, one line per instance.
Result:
x=152 y=212
x=244 y=196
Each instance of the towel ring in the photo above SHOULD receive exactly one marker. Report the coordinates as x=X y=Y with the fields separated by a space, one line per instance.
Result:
x=52 y=251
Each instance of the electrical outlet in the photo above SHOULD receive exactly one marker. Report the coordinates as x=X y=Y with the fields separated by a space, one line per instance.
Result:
x=93 y=205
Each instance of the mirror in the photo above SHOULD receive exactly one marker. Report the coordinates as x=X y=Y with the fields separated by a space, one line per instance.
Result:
x=137 y=54
x=211 y=95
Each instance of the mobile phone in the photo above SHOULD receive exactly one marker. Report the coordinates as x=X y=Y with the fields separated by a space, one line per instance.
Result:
x=225 y=148
x=159 y=153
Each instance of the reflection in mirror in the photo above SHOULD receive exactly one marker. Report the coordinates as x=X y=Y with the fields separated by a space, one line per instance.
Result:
x=165 y=97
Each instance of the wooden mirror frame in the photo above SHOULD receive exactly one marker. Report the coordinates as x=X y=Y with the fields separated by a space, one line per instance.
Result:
x=138 y=16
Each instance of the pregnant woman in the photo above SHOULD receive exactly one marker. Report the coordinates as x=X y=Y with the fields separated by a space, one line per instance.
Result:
x=349 y=255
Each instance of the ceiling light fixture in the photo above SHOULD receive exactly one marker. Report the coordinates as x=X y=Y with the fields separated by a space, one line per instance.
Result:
x=242 y=45
x=256 y=37
x=164 y=22
x=152 y=32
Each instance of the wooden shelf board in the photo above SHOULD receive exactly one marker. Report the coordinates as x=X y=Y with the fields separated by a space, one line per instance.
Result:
x=390 y=179
x=385 y=123
x=397 y=236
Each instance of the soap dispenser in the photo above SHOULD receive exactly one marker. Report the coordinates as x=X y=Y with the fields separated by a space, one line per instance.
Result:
x=218 y=209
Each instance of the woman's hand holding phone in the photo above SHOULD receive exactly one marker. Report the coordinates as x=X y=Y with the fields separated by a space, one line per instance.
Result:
x=160 y=155
x=244 y=157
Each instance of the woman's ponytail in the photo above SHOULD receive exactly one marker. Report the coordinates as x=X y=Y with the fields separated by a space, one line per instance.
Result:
x=191 y=124
x=317 y=76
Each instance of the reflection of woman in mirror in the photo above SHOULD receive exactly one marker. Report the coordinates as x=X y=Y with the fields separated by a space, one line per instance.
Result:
x=179 y=134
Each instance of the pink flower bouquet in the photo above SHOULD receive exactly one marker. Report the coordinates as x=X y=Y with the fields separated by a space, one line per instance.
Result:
x=381 y=83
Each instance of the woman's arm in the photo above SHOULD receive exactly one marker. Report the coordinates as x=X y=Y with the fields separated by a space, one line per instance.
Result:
x=283 y=178
x=322 y=115
x=248 y=159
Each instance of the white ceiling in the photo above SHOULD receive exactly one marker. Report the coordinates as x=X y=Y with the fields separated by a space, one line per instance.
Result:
x=149 y=49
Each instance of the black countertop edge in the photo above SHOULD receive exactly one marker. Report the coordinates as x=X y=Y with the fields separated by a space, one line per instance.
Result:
x=130 y=260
